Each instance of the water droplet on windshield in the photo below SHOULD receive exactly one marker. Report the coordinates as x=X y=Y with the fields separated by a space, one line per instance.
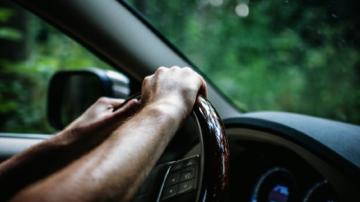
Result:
x=242 y=10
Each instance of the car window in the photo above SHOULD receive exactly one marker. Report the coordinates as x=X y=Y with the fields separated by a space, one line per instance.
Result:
x=30 y=52
x=289 y=55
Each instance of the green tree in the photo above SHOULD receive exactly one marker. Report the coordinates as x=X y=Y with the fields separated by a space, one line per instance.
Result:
x=288 y=55
x=24 y=77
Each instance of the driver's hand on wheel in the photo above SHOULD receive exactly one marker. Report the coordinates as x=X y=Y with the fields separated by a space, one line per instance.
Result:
x=175 y=89
x=122 y=143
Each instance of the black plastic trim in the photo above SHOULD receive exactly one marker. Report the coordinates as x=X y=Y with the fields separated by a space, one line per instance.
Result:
x=300 y=138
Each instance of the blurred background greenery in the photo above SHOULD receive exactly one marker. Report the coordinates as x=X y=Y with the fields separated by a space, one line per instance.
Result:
x=30 y=52
x=291 y=55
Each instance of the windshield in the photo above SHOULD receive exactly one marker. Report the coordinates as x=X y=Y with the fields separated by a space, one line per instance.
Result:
x=289 y=55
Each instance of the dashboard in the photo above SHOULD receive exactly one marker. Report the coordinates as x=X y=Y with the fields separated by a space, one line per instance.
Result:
x=284 y=157
x=261 y=172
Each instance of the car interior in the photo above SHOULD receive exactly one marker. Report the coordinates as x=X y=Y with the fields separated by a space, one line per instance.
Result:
x=220 y=153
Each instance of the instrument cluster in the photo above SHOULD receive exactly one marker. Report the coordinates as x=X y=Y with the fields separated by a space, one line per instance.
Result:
x=266 y=173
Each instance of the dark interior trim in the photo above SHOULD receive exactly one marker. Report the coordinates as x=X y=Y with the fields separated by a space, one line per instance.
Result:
x=320 y=149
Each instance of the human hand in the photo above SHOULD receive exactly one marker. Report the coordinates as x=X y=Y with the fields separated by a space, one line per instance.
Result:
x=105 y=115
x=174 y=87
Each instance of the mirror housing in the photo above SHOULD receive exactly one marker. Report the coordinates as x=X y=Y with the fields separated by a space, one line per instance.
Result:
x=70 y=93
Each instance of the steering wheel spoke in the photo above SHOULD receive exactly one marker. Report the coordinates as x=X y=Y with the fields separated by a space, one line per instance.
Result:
x=201 y=175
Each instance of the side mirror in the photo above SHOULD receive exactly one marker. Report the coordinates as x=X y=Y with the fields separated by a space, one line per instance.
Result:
x=70 y=93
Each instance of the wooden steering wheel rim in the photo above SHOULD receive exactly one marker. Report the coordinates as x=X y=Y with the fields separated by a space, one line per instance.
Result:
x=215 y=152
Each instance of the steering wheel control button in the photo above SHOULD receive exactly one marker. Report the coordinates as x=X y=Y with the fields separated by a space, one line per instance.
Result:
x=190 y=162
x=187 y=175
x=186 y=186
x=182 y=178
x=185 y=163
x=170 y=191
x=173 y=179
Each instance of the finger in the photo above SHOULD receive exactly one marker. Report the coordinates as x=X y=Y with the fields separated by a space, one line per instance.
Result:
x=115 y=102
x=203 y=90
x=175 y=68
x=114 y=119
x=160 y=70
x=146 y=85
x=129 y=108
x=109 y=101
x=203 y=87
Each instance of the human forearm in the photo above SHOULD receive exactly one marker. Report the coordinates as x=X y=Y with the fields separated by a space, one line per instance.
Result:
x=79 y=137
x=41 y=160
x=29 y=166
x=133 y=150
x=114 y=169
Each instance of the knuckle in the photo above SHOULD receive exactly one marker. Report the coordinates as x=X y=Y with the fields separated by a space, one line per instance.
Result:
x=187 y=69
x=147 y=78
x=190 y=71
x=160 y=70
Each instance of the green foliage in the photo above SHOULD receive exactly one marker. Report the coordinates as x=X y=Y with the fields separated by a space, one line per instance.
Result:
x=10 y=34
x=285 y=55
x=5 y=14
x=23 y=86
x=292 y=56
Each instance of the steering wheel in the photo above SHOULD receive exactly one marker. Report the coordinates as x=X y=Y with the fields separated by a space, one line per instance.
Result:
x=215 y=152
x=202 y=177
